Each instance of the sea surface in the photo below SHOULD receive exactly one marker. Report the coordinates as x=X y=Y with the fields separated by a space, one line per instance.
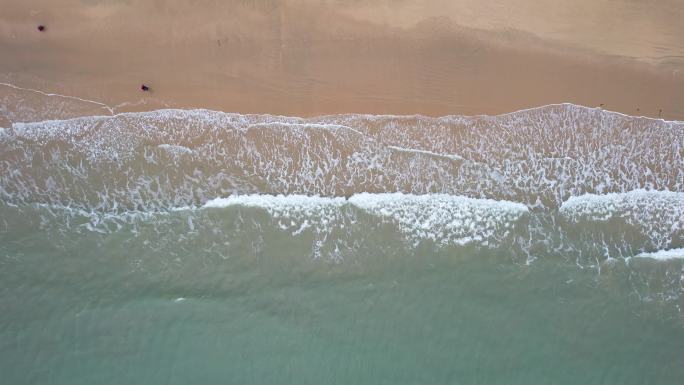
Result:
x=544 y=246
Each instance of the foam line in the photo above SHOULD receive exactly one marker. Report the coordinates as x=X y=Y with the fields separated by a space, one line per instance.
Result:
x=113 y=109
x=273 y=201
x=425 y=152
x=445 y=219
x=663 y=255
x=529 y=109
x=574 y=105
x=307 y=125
x=602 y=206
x=103 y=105
x=338 y=115
x=140 y=102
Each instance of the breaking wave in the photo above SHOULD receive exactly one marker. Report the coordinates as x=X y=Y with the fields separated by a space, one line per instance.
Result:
x=167 y=158
x=580 y=161
x=663 y=255
x=582 y=185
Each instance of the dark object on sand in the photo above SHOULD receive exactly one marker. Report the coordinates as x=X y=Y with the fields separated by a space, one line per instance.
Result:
x=41 y=28
x=144 y=88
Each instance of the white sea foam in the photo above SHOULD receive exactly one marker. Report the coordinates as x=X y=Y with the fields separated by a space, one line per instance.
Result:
x=636 y=203
x=659 y=215
x=445 y=219
x=663 y=255
x=331 y=127
x=113 y=170
x=294 y=213
x=274 y=203
x=442 y=218
x=540 y=157
x=176 y=150
x=429 y=153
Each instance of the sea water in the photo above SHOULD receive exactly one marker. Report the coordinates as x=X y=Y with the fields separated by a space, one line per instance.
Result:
x=544 y=246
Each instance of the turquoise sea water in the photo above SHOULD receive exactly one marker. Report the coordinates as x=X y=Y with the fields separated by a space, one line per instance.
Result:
x=176 y=247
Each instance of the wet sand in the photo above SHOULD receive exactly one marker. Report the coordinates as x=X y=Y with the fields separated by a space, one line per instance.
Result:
x=322 y=57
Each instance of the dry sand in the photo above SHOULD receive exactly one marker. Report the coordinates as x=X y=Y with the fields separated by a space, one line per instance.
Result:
x=311 y=57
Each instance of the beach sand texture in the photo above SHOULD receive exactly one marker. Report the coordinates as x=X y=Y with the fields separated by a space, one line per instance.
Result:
x=309 y=58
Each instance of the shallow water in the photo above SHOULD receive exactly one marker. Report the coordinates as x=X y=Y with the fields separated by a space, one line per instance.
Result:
x=193 y=246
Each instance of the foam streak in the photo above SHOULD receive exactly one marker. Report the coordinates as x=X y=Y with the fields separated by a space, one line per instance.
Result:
x=103 y=105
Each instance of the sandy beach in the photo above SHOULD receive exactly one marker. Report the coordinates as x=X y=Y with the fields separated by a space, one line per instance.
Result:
x=309 y=58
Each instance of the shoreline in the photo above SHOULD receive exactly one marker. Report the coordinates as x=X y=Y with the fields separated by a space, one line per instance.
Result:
x=113 y=113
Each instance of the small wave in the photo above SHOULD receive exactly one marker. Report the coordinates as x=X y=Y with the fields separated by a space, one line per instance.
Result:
x=444 y=219
x=657 y=215
x=639 y=204
x=275 y=203
x=429 y=153
x=176 y=150
x=331 y=228
x=335 y=225
x=663 y=255
x=295 y=213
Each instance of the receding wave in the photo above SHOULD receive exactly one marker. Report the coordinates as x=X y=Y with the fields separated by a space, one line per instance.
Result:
x=169 y=158
x=581 y=185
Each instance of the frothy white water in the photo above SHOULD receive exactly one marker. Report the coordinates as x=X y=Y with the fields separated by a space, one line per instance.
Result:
x=663 y=255
x=540 y=157
x=175 y=150
x=659 y=214
x=430 y=153
x=411 y=181
x=638 y=204
x=276 y=204
x=336 y=225
x=444 y=219
x=303 y=125
x=294 y=212
x=330 y=228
